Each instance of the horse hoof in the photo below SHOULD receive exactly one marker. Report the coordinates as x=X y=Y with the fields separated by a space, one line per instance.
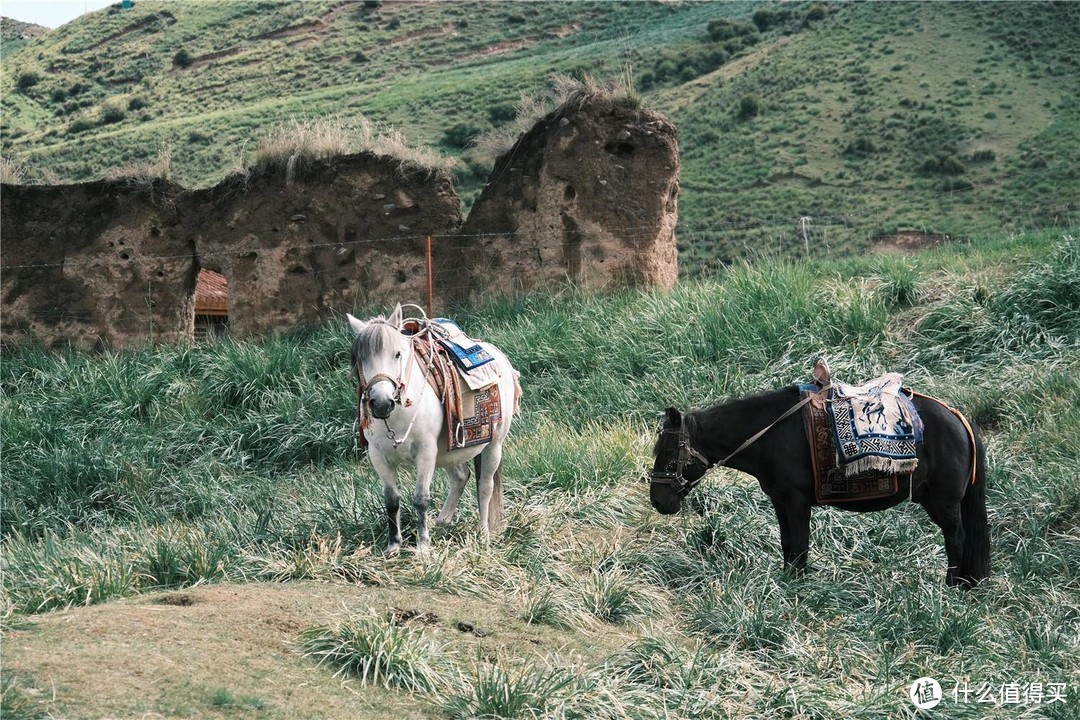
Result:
x=442 y=522
x=392 y=549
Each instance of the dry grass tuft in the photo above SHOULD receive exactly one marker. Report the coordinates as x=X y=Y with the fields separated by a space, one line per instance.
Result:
x=296 y=144
x=11 y=172
x=158 y=169
x=564 y=93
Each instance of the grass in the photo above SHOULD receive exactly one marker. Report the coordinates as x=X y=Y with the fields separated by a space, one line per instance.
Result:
x=232 y=466
x=376 y=652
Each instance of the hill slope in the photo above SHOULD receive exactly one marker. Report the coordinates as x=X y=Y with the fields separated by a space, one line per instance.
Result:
x=958 y=118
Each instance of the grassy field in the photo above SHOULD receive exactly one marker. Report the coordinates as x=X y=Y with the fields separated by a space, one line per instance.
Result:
x=190 y=531
x=952 y=118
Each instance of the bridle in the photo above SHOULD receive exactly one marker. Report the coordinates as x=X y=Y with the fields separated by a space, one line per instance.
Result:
x=678 y=480
x=400 y=384
x=674 y=476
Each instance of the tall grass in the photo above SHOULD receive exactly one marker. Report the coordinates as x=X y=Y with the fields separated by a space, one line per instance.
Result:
x=167 y=467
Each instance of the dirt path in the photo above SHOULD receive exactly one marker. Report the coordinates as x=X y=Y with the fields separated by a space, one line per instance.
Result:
x=231 y=650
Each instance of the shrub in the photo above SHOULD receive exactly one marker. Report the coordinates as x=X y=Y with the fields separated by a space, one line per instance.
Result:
x=111 y=114
x=748 y=107
x=80 y=125
x=136 y=103
x=764 y=19
x=461 y=135
x=942 y=165
x=503 y=112
x=27 y=79
x=183 y=58
x=58 y=95
x=816 y=12
x=860 y=147
x=724 y=29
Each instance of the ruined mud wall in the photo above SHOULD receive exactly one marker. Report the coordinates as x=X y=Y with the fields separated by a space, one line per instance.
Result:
x=115 y=263
x=342 y=234
x=589 y=195
x=93 y=264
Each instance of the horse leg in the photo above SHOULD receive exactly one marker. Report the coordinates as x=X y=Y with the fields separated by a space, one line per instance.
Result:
x=953 y=531
x=490 y=460
x=459 y=475
x=793 y=516
x=388 y=474
x=421 y=500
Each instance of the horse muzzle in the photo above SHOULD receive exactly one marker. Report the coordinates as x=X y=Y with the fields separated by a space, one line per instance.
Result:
x=381 y=407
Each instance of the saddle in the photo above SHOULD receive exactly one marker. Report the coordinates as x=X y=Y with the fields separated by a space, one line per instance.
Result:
x=863 y=438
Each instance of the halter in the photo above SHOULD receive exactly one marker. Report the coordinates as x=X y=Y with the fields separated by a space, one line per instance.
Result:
x=400 y=384
x=675 y=477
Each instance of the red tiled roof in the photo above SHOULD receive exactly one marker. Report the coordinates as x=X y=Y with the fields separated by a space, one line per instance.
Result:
x=211 y=294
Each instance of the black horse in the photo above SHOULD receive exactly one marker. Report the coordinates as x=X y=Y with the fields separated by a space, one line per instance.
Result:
x=949 y=481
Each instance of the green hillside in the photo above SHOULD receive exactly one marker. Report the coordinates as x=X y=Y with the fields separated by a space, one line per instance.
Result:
x=951 y=118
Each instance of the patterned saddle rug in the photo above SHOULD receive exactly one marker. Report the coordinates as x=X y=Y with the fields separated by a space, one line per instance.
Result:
x=471 y=400
x=862 y=438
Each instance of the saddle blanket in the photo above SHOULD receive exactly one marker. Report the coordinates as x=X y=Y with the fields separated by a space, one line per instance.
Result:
x=836 y=478
x=470 y=413
x=876 y=426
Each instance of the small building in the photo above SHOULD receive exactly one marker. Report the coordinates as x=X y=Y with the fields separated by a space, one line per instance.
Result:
x=211 y=306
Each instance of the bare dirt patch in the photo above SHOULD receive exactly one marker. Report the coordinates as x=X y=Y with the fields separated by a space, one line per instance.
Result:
x=223 y=650
x=903 y=243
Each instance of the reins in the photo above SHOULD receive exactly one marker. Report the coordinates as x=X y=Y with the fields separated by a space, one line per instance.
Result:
x=686 y=449
x=757 y=436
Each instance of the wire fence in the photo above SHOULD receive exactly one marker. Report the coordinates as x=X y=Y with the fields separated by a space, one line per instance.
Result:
x=421 y=268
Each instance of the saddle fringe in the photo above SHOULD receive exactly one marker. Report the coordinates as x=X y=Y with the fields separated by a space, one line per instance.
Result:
x=876 y=463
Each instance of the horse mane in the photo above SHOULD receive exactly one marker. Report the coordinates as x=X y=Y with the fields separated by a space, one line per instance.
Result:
x=741 y=401
x=375 y=338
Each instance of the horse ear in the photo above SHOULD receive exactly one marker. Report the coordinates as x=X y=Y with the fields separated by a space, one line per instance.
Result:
x=356 y=324
x=673 y=418
x=395 y=317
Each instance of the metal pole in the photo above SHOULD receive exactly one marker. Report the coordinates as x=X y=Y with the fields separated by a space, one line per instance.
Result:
x=427 y=252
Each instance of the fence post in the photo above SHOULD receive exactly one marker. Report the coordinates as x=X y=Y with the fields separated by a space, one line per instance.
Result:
x=427 y=253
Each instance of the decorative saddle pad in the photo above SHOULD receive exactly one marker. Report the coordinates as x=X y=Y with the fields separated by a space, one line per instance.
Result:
x=471 y=413
x=848 y=476
x=877 y=427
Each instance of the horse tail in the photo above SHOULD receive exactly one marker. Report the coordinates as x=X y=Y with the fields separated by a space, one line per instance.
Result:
x=975 y=565
x=495 y=505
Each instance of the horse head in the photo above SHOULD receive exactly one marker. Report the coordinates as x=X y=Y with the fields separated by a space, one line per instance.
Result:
x=678 y=467
x=380 y=359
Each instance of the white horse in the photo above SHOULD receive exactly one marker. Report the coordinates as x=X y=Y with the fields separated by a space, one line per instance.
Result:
x=403 y=421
